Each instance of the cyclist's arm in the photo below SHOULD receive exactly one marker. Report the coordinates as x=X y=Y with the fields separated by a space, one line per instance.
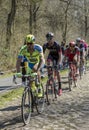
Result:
x=42 y=61
x=44 y=48
x=60 y=54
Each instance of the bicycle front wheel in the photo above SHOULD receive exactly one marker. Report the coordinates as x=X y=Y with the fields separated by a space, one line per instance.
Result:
x=70 y=81
x=50 y=92
x=26 y=106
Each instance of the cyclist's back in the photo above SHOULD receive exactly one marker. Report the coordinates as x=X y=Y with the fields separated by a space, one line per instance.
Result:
x=53 y=50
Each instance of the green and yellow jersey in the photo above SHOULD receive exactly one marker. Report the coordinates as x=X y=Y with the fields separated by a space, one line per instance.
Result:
x=31 y=58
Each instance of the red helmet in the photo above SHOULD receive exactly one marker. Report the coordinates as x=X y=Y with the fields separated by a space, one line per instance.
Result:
x=72 y=44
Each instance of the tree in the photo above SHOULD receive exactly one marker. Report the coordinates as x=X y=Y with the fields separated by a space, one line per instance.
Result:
x=86 y=12
x=33 y=7
x=10 y=21
x=65 y=23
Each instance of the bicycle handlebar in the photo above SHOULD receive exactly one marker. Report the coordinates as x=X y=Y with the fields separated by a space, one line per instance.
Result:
x=20 y=75
x=50 y=66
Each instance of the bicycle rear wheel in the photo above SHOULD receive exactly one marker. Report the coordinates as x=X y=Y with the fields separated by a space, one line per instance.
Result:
x=26 y=106
x=40 y=101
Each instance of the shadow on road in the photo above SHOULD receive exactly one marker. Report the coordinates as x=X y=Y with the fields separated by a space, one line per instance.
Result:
x=11 y=108
x=10 y=120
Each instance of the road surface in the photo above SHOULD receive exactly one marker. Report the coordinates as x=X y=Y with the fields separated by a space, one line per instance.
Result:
x=69 y=112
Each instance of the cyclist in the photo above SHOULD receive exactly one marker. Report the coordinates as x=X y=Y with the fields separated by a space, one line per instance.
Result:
x=85 y=46
x=34 y=55
x=72 y=54
x=55 y=54
x=81 y=46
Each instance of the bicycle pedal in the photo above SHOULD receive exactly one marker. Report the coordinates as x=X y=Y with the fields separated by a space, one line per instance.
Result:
x=48 y=103
x=56 y=97
x=53 y=100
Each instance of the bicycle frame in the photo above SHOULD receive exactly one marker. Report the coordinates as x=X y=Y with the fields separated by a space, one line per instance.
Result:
x=51 y=84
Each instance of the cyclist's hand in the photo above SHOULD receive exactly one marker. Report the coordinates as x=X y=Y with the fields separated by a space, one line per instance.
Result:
x=45 y=66
x=18 y=75
x=60 y=65
x=37 y=70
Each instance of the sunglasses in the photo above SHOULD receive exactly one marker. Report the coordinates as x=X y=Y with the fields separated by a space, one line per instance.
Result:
x=72 y=47
x=29 y=43
x=49 y=38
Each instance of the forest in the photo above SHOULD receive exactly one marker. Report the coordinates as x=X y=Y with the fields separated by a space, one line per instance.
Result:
x=67 y=19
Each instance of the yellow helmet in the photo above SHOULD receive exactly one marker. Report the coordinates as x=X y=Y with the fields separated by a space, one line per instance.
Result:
x=30 y=38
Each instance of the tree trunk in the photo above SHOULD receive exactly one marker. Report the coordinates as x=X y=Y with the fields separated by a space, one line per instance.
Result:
x=10 y=20
x=85 y=18
x=30 y=18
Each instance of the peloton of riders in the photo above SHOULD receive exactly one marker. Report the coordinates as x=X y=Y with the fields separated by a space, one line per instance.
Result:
x=74 y=51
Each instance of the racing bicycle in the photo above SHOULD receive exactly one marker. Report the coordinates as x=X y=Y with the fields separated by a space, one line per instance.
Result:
x=31 y=102
x=51 y=84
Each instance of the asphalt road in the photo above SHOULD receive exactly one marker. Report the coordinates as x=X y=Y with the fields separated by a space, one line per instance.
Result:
x=6 y=84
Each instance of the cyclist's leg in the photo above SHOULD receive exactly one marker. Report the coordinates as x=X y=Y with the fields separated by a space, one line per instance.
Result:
x=59 y=81
x=84 y=64
x=75 y=77
x=38 y=83
x=70 y=75
x=77 y=68
x=55 y=72
x=28 y=71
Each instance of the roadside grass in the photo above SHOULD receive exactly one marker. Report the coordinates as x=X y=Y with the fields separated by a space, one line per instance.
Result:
x=6 y=75
x=10 y=96
x=13 y=95
x=17 y=93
